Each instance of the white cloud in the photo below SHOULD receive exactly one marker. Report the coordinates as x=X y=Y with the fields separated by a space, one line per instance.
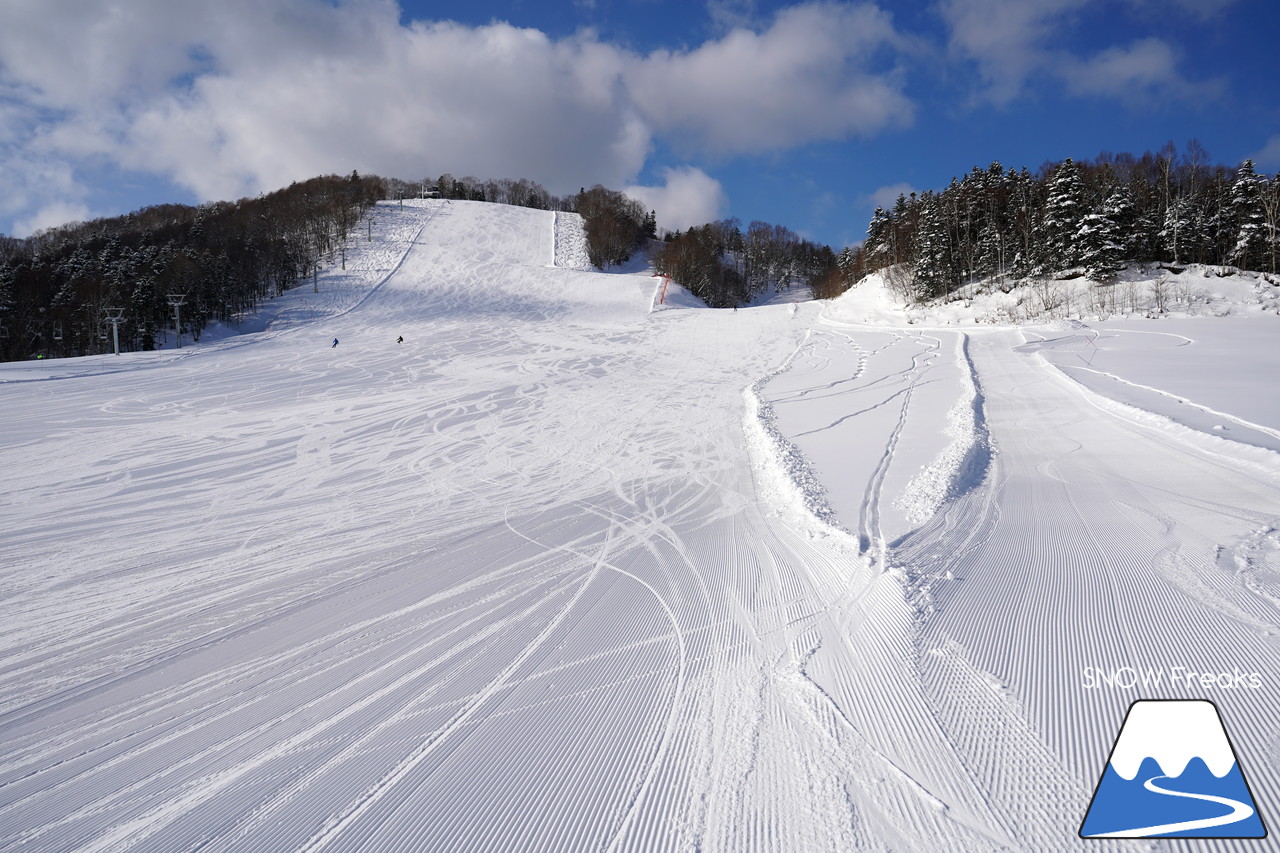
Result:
x=491 y=101
x=688 y=197
x=231 y=98
x=52 y=214
x=728 y=14
x=1005 y=38
x=1268 y=156
x=887 y=196
x=807 y=77
x=36 y=190
x=1012 y=42
x=1146 y=67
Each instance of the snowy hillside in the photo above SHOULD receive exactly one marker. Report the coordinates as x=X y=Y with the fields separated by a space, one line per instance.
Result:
x=563 y=572
x=1139 y=290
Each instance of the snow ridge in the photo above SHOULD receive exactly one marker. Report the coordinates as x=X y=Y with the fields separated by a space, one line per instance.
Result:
x=792 y=473
x=962 y=464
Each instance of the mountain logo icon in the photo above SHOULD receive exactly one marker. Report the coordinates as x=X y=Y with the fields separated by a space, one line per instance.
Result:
x=1172 y=773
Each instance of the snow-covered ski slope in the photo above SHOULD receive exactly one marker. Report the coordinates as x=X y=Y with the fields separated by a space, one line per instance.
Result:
x=550 y=574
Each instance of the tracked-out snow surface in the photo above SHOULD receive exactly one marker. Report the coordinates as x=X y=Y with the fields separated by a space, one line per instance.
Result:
x=562 y=572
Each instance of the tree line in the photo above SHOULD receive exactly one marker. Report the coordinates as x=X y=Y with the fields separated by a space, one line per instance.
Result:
x=1077 y=218
x=725 y=267
x=516 y=191
x=224 y=258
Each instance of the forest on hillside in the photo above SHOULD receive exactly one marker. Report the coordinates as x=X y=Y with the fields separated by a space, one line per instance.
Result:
x=725 y=267
x=1072 y=219
x=60 y=287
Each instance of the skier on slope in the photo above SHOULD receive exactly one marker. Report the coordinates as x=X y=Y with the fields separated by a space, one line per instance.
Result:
x=400 y=339
x=335 y=343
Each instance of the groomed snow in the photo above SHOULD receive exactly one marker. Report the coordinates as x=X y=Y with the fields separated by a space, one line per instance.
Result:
x=564 y=572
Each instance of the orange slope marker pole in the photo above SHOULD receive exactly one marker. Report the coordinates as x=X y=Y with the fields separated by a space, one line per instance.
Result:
x=662 y=297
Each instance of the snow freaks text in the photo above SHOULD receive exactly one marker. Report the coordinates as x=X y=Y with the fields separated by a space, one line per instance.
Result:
x=1130 y=677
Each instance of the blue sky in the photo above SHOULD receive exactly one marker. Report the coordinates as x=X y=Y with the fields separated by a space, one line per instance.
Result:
x=803 y=114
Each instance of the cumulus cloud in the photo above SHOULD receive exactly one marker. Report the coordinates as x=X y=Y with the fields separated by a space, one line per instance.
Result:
x=1012 y=42
x=1006 y=39
x=807 y=77
x=231 y=98
x=492 y=101
x=1146 y=68
x=36 y=191
x=687 y=197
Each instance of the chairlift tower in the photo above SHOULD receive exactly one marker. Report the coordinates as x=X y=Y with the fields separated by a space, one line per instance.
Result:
x=176 y=300
x=114 y=316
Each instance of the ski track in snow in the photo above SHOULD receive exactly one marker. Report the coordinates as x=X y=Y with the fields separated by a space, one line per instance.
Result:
x=561 y=573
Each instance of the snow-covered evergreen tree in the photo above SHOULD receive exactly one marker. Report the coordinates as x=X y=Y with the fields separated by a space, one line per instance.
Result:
x=1250 y=220
x=879 y=239
x=1064 y=212
x=1025 y=219
x=1099 y=243
x=847 y=261
x=989 y=259
x=1177 y=228
x=933 y=261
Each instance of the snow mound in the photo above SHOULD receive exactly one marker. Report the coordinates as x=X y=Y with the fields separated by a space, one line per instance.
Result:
x=571 y=242
x=790 y=475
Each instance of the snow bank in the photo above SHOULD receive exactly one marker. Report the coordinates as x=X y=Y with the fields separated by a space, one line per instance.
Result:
x=1140 y=290
x=787 y=476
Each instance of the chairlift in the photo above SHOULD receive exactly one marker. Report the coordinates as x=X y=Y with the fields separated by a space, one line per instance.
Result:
x=57 y=331
x=4 y=332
